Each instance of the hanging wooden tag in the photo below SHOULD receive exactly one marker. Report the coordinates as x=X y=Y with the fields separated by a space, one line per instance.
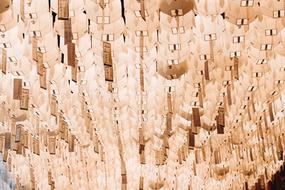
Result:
x=43 y=78
x=71 y=54
x=4 y=60
x=108 y=73
x=196 y=117
x=169 y=103
x=191 y=140
x=66 y=133
x=24 y=102
x=142 y=156
x=63 y=9
x=142 y=79
x=142 y=9
x=18 y=133
x=26 y=139
x=221 y=116
x=107 y=54
x=217 y=157
x=35 y=48
x=67 y=32
x=194 y=169
x=229 y=94
x=206 y=70
x=22 y=10
x=62 y=124
x=168 y=122
x=40 y=62
x=197 y=157
x=270 y=110
x=102 y=4
x=52 y=144
x=235 y=69
x=54 y=106
x=36 y=146
x=265 y=119
x=96 y=144
x=200 y=95
x=19 y=148
x=220 y=121
x=17 y=89
x=71 y=143
x=74 y=71
x=2 y=141
x=141 y=183
x=179 y=156
x=50 y=180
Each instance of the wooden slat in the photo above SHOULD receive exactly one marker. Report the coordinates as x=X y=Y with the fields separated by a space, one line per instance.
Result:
x=63 y=9
x=17 y=89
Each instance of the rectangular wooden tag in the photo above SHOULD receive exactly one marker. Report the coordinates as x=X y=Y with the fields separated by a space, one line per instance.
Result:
x=109 y=73
x=43 y=79
x=34 y=48
x=4 y=60
x=24 y=102
x=71 y=54
x=52 y=144
x=63 y=9
x=67 y=32
x=18 y=133
x=17 y=89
